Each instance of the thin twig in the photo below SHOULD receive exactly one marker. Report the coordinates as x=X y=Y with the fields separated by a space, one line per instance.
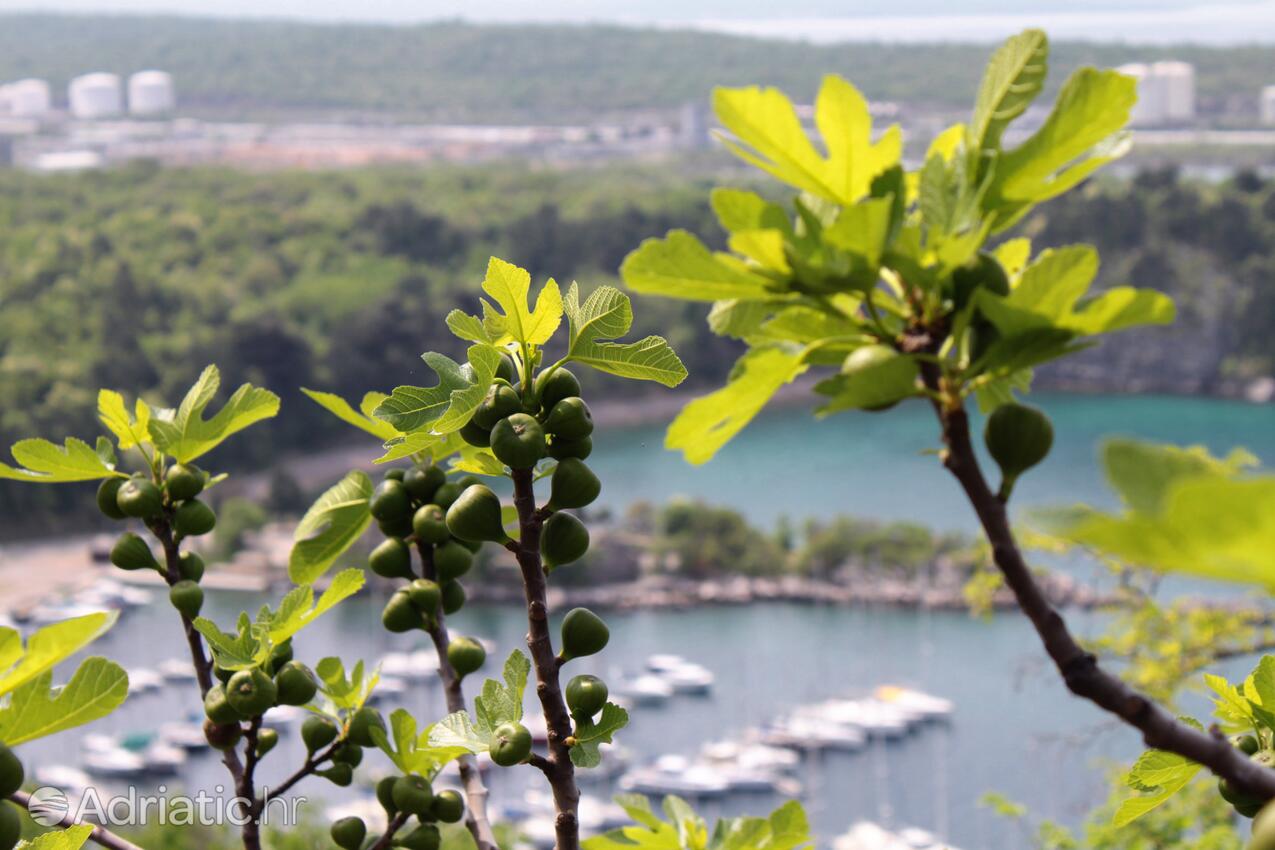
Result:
x=391 y=829
x=100 y=834
x=559 y=771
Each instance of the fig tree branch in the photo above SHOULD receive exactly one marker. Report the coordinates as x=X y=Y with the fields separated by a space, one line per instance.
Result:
x=1079 y=669
x=312 y=764
x=558 y=768
x=476 y=819
x=100 y=834
x=391 y=829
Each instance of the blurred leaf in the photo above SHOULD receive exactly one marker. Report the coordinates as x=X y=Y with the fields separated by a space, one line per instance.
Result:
x=679 y=266
x=37 y=709
x=365 y=420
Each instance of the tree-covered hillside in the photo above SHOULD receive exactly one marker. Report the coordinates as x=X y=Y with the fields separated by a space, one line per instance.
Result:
x=465 y=72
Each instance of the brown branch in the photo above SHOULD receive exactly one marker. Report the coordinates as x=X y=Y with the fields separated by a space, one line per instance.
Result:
x=100 y=834
x=559 y=771
x=312 y=764
x=471 y=780
x=1079 y=669
x=391 y=829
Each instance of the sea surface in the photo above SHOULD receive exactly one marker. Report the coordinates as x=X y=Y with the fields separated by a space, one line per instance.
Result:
x=1015 y=729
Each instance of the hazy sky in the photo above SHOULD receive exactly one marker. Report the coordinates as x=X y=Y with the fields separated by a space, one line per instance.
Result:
x=824 y=20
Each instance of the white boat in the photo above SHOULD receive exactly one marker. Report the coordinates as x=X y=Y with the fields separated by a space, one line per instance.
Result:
x=689 y=679
x=70 y=780
x=188 y=736
x=750 y=755
x=388 y=687
x=176 y=670
x=647 y=688
x=807 y=733
x=925 y=705
x=663 y=662
x=161 y=757
x=418 y=666
x=877 y=719
x=113 y=762
x=866 y=835
x=281 y=717
x=142 y=680
x=674 y=774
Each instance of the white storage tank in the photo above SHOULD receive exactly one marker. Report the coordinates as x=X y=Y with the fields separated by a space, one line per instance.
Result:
x=1268 y=106
x=151 y=93
x=28 y=98
x=95 y=96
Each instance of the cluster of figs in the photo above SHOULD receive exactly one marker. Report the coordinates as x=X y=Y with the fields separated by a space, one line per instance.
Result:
x=175 y=500
x=406 y=796
x=239 y=695
x=11 y=778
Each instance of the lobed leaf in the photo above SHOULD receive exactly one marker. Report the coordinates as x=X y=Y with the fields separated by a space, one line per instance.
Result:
x=36 y=709
x=185 y=434
x=510 y=287
x=47 y=646
x=42 y=462
x=680 y=266
x=363 y=418
x=449 y=404
x=330 y=527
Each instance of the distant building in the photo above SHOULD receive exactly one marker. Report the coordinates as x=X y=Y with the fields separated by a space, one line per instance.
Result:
x=95 y=96
x=693 y=126
x=151 y=93
x=1166 y=93
x=25 y=99
x=1268 y=105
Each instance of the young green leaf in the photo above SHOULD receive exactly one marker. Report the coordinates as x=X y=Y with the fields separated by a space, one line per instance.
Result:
x=411 y=752
x=363 y=418
x=129 y=430
x=248 y=646
x=71 y=838
x=458 y=730
x=449 y=404
x=589 y=735
x=331 y=526
x=1159 y=775
x=608 y=314
x=37 y=709
x=1014 y=77
x=501 y=702
x=42 y=462
x=47 y=646
x=510 y=287
x=350 y=692
x=298 y=608
x=185 y=434
x=680 y=266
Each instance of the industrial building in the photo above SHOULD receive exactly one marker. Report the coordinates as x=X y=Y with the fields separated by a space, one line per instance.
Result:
x=151 y=93
x=1166 y=93
x=25 y=99
x=95 y=96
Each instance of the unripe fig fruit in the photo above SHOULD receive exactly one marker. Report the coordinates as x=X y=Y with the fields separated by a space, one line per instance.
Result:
x=429 y=524
x=585 y=696
x=183 y=482
x=348 y=833
x=518 y=441
x=390 y=502
x=391 y=559
x=451 y=561
x=465 y=655
x=1018 y=437
x=469 y=481
x=267 y=740
x=453 y=596
x=394 y=474
x=982 y=336
x=553 y=387
x=511 y=744
x=413 y=794
x=474 y=434
x=561 y=448
x=400 y=615
x=424 y=837
x=448 y=806
x=476 y=515
x=187 y=597
x=447 y=494
x=251 y=692
x=223 y=675
x=425 y=595
x=280 y=654
x=982 y=270
x=295 y=683
x=348 y=753
x=385 y=795
x=190 y=566
x=1247 y=744
x=11 y=772
x=507 y=370
x=563 y=540
x=193 y=518
x=401 y=527
x=570 y=419
x=222 y=736
x=361 y=724
x=107 y=493
x=139 y=498
x=573 y=485
x=317 y=732
x=340 y=775
x=130 y=552
x=217 y=708
x=501 y=400
x=10 y=826
x=583 y=633
x=422 y=482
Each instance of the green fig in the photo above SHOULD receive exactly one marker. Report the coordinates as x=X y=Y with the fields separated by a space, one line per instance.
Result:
x=348 y=753
x=511 y=744
x=187 y=597
x=399 y=527
x=507 y=370
x=573 y=485
x=222 y=736
x=10 y=826
x=280 y=654
x=1247 y=744
x=413 y=794
x=585 y=696
x=139 y=498
x=1018 y=437
x=518 y=441
x=340 y=775
x=583 y=633
x=390 y=502
x=193 y=518
x=424 y=837
x=361 y=724
x=190 y=566
x=385 y=795
x=422 y=482
x=451 y=561
x=400 y=615
x=130 y=552
x=476 y=515
x=348 y=833
x=217 y=708
x=448 y=806
x=570 y=419
x=11 y=772
x=561 y=448
x=453 y=596
x=982 y=271
x=251 y=692
x=107 y=495
x=465 y=655
x=317 y=732
x=425 y=595
x=563 y=540
x=501 y=400
x=267 y=740
x=555 y=385
x=391 y=559
x=295 y=683
x=183 y=482
x=429 y=524
x=447 y=494
x=474 y=434
x=398 y=474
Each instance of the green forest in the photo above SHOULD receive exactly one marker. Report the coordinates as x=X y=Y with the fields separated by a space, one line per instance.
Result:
x=464 y=72
x=136 y=277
